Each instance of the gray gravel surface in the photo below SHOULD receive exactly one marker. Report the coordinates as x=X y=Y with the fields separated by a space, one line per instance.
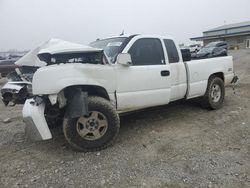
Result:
x=178 y=145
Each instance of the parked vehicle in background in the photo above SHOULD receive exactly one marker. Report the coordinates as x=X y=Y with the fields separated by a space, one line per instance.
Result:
x=7 y=66
x=88 y=87
x=221 y=44
x=2 y=58
x=210 y=52
x=194 y=48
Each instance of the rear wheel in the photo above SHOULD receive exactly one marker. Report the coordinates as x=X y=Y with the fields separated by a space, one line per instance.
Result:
x=214 y=97
x=95 y=131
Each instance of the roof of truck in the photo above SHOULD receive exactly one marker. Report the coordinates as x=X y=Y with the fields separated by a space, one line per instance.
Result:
x=142 y=35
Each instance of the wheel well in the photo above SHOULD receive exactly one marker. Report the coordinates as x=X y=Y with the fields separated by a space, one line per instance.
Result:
x=218 y=74
x=92 y=90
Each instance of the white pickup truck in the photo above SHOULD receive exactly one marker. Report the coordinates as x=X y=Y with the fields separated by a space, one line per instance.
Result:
x=85 y=88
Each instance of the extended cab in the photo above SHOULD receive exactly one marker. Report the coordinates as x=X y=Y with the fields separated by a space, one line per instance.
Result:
x=85 y=88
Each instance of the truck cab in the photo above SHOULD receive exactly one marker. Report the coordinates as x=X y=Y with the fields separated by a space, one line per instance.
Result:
x=157 y=73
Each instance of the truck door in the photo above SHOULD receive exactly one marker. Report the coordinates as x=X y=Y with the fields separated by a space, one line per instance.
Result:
x=147 y=82
x=178 y=71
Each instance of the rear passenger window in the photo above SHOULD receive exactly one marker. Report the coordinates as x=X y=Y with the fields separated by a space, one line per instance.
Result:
x=173 y=56
x=147 y=51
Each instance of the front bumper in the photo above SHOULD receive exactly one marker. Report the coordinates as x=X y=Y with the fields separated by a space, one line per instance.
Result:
x=36 y=125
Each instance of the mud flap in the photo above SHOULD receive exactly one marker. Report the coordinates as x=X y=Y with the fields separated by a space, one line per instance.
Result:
x=77 y=104
x=234 y=82
x=235 y=79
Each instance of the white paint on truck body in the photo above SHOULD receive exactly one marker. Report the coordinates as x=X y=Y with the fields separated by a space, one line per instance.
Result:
x=54 y=78
x=199 y=72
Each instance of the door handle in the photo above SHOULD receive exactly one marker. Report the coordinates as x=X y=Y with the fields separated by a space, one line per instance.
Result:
x=165 y=73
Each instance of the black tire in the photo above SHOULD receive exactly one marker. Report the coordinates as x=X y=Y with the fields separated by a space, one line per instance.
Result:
x=55 y=124
x=113 y=124
x=54 y=116
x=208 y=100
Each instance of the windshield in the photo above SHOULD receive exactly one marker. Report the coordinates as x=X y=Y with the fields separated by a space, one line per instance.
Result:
x=110 y=46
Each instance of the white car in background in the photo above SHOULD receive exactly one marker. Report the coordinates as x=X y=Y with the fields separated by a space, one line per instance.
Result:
x=194 y=48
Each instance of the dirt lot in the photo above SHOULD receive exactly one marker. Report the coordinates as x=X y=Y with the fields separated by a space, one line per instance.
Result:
x=179 y=145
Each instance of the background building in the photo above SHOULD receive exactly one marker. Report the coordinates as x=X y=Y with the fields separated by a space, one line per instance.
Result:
x=236 y=35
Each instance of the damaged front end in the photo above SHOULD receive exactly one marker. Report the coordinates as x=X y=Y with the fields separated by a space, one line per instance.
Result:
x=41 y=113
x=57 y=87
x=33 y=116
x=19 y=87
x=15 y=93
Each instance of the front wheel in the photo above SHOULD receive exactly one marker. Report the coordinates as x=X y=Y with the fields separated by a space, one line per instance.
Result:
x=95 y=131
x=214 y=96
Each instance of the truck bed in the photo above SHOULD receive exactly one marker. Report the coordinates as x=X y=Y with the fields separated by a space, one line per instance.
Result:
x=199 y=71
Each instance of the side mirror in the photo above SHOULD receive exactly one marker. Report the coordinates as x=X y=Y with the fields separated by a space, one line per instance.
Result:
x=124 y=59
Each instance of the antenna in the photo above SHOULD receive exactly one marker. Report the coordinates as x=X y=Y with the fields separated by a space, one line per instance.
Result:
x=122 y=33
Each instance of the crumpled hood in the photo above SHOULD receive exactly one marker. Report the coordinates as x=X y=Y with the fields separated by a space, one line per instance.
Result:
x=52 y=46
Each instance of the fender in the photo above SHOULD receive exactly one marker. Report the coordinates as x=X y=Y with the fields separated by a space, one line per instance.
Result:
x=54 y=78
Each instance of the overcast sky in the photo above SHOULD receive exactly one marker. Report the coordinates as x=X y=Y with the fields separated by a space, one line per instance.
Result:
x=24 y=24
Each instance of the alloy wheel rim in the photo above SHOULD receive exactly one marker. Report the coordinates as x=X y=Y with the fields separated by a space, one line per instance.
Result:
x=93 y=126
x=216 y=93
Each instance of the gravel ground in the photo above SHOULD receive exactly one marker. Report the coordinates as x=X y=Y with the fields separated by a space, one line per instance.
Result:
x=178 y=145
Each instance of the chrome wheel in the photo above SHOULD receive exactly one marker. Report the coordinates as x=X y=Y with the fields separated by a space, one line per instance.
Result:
x=216 y=93
x=93 y=126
